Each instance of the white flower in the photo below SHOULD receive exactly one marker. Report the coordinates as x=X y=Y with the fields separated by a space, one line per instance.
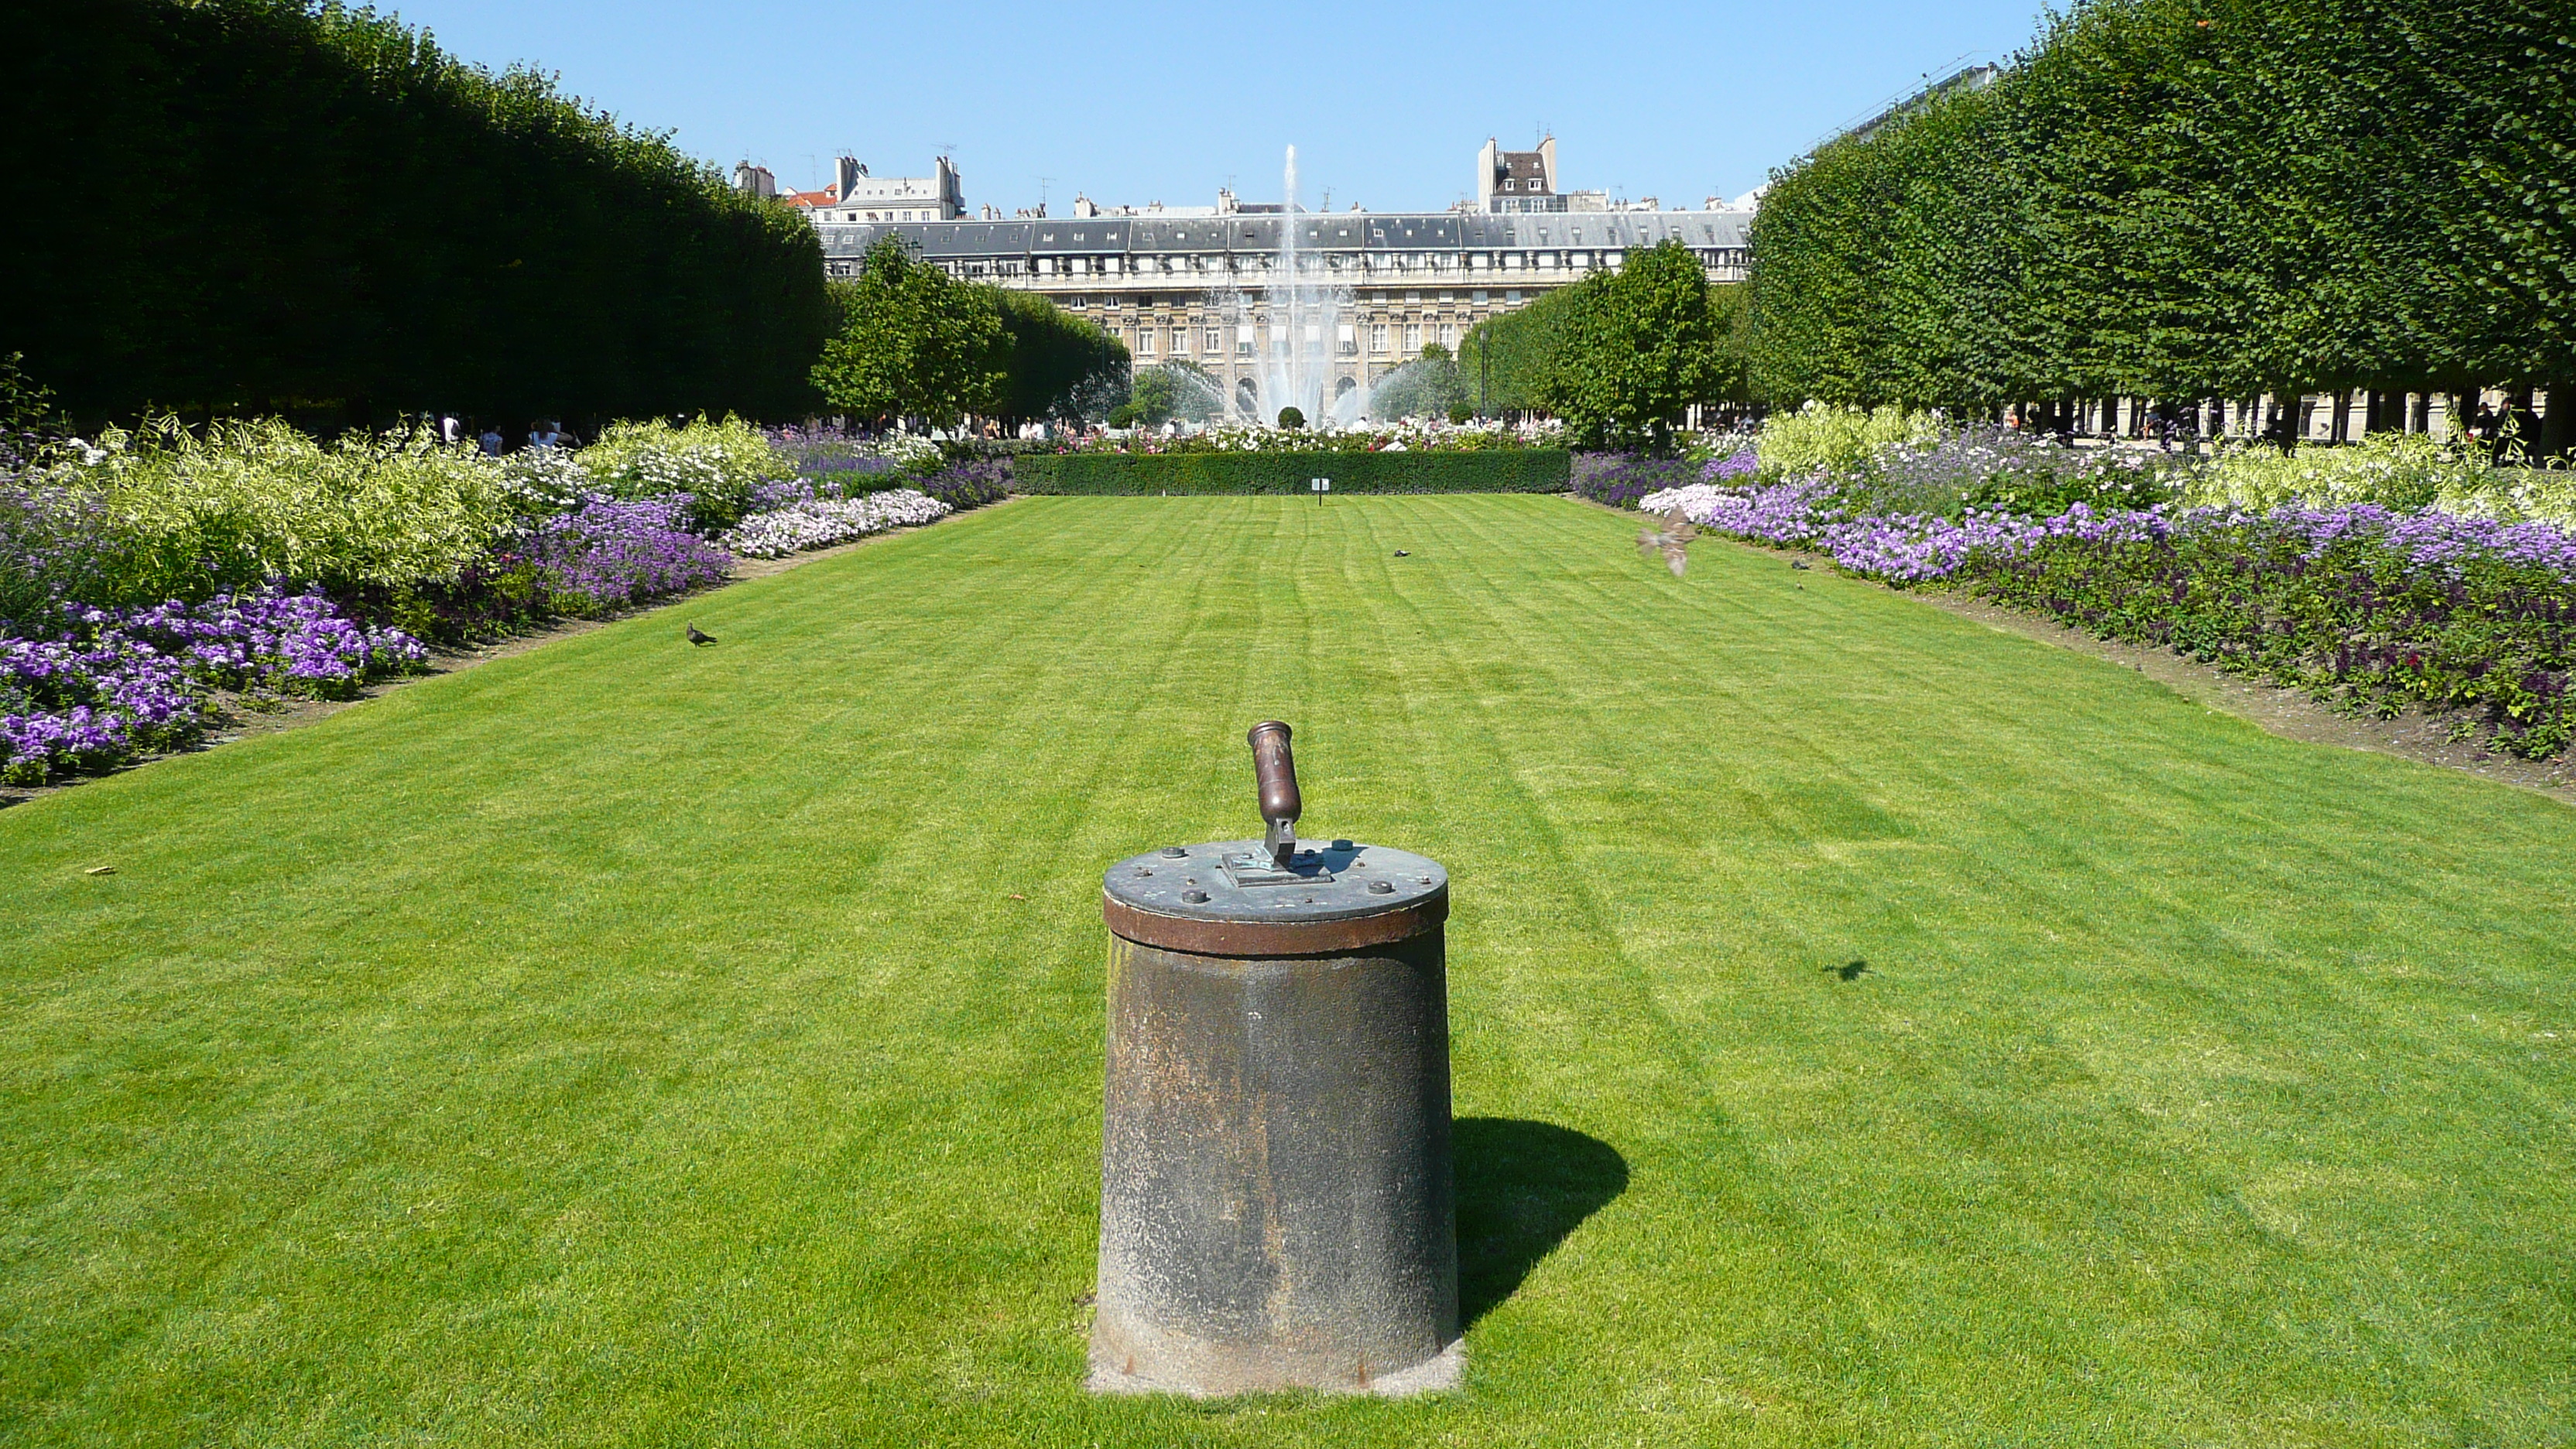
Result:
x=822 y=522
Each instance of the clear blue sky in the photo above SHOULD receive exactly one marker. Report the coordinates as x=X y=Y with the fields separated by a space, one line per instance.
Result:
x=1386 y=103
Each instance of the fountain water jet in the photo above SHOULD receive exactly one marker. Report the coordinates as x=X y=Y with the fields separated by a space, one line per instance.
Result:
x=1302 y=312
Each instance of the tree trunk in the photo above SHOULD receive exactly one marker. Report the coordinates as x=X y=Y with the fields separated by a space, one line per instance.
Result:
x=2558 y=428
x=2519 y=428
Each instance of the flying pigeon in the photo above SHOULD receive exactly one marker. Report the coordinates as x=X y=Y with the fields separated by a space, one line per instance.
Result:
x=1672 y=541
x=697 y=638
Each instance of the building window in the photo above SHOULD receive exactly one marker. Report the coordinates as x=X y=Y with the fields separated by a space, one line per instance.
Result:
x=1377 y=337
x=1413 y=296
x=1449 y=335
x=1145 y=341
x=1346 y=338
x=1215 y=342
x=1507 y=185
x=1111 y=303
x=1243 y=342
x=1476 y=297
x=1511 y=299
x=1412 y=338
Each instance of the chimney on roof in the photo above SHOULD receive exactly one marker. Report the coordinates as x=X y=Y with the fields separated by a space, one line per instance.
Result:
x=845 y=177
x=753 y=180
x=952 y=189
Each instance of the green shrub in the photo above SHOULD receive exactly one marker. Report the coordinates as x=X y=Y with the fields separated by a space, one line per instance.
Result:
x=2394 y=470
x=1517 y=470
x=716 y=464
x=2517 y=495
x=246 y=502
x=1839 y=439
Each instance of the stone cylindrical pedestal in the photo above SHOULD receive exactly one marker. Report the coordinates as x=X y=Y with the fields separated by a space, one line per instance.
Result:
x=1276 y=1206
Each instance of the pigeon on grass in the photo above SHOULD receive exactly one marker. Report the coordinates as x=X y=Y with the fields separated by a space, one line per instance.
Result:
x=697 y=638
x=1672 y=541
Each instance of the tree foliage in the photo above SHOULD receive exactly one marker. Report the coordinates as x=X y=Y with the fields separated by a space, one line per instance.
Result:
x=912 y=341
x=1618 y=355
x=315 y=208
x=2195 y=198
x=1503 y=360
x=1430 y=386
x=919 y=343
x=1175 y=389
x=1058 y=362
x=1636 y=347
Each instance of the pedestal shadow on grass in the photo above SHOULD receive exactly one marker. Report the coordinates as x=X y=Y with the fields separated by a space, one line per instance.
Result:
x=1523 y=1188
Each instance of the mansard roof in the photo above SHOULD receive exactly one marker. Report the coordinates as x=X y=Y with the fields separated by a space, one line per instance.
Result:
x=1319 y=232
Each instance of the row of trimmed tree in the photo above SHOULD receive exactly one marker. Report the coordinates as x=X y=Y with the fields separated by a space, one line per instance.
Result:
x=915 y=342
x=2196 y=199
x=1621 y=356
x=228 y=206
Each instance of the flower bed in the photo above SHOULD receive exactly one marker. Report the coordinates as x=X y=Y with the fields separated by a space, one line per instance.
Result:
x=971 y=485
x=132 y=681
x=610 y=553
x=1622 y=479
x=395 y=530
x=2361 y=605
x=820 y=522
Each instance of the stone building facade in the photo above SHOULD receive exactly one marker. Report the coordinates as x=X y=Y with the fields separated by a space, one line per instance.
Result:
x=1192 y=287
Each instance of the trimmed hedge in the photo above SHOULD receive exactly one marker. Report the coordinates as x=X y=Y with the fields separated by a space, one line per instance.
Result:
x=1509 y=470
x=324 y=214
x=2191 y=199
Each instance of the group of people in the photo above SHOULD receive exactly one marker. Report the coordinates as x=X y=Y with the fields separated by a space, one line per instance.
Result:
x=546 y=434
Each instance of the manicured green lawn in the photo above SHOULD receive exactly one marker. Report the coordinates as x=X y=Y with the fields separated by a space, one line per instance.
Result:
x=625 y=1043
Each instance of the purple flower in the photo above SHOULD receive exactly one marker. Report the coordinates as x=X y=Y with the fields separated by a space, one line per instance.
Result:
x=2366 y=606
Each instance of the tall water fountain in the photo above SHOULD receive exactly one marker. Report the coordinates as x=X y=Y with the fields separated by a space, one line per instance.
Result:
x=1296 y=311
x=1304 y=331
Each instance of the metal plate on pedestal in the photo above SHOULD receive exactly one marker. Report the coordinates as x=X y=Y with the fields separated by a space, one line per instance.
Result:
x=1226 y=898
